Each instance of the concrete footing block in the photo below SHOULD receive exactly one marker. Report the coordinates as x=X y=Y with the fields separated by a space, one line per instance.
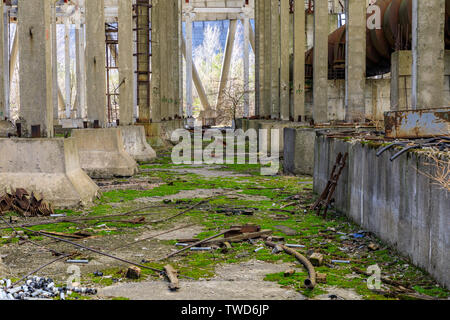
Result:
x=135 y=143
x=49 y=168
x=299 y=151
x=102 y=153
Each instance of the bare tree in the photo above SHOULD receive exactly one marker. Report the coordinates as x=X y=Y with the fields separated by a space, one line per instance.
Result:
x=232 y=106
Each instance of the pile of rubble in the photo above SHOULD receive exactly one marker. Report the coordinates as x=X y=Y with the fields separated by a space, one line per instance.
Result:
x=38 y=288
x=24 y=204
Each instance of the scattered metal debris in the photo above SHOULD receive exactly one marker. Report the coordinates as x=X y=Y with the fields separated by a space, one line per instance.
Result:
x=24 y=204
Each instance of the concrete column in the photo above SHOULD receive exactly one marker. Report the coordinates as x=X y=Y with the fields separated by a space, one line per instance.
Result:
x=400 y=96
x=246 y=63
x=175 y=91
x=226 y=65
x=428 y=54
x=267 y=92
x=81 y=71
x=180 y=59
x=189 y=100
x=155 y=99
x=275 y=58
x=355 y=66
x=164 y=39
x=125 y=62
x=320 y=81
x=257 y=51
x=67 y=80
x=54 y=64
x=144 y=87
x=299 y=60
x=96 y=61
x=3 y=69
x=36 y=105
x=284 y=59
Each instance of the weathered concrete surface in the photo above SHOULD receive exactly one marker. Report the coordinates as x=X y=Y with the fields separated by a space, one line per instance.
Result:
x=102 y=153
x=135 y=143
x=232 y=282
x=391 y=199
x=299 y=150
x=428 y=53
x=7 y=128
x=158 y=132
x=48 y=167
x=35 y=71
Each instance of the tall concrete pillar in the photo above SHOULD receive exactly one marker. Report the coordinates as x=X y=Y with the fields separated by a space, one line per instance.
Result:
x=126 y=75
x=428 y=53
x=155 y=99
x=299 y=60
x=3 y=108
x=175 y=60
x=81 y=71
x=284 y=59
x=257 y=51
x=36 y=105
x=355 y=66
x=67 y=75
x=189 y=100
x=275 y=58
x=164 y=22
x=267 y=92
x=54 y=64
x=96 y=61
x=320 y=74
x=246 y=62
x=144 y=88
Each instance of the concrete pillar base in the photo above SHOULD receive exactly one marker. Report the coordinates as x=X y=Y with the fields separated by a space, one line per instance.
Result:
x=299 y=151
x=47 y=167
x=71 y=123
x=102 y=153
x=159 y=132
x=135 y=143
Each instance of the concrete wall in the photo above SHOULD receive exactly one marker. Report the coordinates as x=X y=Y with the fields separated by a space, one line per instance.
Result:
x=392 y=200
x=377 y=95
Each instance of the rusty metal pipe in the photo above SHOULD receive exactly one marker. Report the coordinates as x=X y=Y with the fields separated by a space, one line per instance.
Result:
x=395 y=34
x=309 y=282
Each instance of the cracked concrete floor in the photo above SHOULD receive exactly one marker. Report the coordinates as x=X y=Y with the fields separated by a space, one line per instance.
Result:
x=243 y=281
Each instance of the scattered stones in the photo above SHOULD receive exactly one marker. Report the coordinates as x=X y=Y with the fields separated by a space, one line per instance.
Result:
x=38 y=288
x=316 y=259
x=133 y=273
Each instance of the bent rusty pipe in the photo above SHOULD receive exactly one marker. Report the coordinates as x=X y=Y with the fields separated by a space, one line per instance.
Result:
x=310 y=282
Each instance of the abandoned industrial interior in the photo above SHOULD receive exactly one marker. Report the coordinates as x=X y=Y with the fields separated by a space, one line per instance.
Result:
x=224 y=150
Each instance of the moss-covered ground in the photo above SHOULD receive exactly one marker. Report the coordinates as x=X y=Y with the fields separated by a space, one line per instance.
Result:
x=331 y=237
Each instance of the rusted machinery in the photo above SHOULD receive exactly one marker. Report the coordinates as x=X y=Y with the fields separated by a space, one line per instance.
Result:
x=394 y=34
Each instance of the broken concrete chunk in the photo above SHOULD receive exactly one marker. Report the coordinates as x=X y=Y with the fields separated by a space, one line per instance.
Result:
x=133 y=273
x=316 y=259
x=321 y=277
x=289 y=273
x=373 y=246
